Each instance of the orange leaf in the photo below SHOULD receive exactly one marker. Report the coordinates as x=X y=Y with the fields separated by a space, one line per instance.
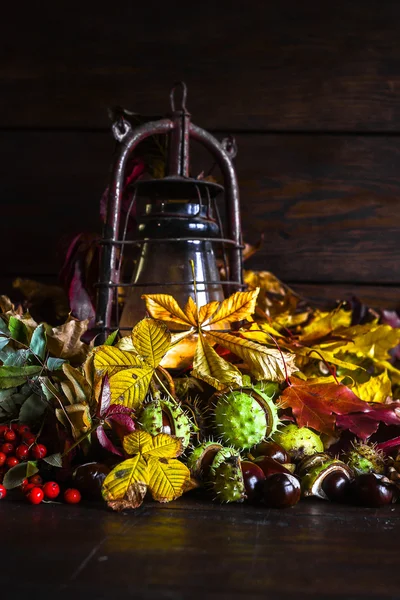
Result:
x=315 y=405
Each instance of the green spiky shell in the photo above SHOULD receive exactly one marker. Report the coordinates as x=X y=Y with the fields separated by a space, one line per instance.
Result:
x=364 y=458
x=201 y=454
x=298 y=441
x=245 y=417
x=228 y=481
x=151 y=419
x=222 y=456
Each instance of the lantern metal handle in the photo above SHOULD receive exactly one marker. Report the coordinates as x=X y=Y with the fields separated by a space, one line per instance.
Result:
x=180 y=130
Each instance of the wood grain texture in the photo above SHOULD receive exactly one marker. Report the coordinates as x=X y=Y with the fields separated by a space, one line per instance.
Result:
x=190 y=549
x=263 y=66
x=375 y=296
x=327 y=205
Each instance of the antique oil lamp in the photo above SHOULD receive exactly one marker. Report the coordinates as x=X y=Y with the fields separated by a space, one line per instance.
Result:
x=179 y=233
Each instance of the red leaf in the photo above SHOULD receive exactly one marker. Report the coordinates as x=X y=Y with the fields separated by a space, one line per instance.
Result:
x=364 y=424
x=358 y=423
x=315 y=405
x=105 y=442
x=79 y=299
x=105 y=398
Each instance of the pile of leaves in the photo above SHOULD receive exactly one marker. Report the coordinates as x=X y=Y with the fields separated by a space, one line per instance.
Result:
x=336 y=370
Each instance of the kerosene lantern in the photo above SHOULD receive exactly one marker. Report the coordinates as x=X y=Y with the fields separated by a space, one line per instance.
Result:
x=179 y=233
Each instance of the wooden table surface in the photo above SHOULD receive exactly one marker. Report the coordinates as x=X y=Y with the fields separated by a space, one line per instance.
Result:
x=193 y=549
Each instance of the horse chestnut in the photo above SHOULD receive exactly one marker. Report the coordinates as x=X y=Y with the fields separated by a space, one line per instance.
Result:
x=336 y=486
x=89 y=479
x=281 y=490
x=372 y=490
x=253 y=477
x=270 y=466
x=272 y=450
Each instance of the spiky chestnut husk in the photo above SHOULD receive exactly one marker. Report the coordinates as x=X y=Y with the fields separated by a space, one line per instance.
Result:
x=228 y=482
x=201 y=459
x=159 y=415
x=311 y=483
x=245 y=417
x=197 y=410
x=308 y=463
x=298 y=441
x=222 y=456
x=365 y=458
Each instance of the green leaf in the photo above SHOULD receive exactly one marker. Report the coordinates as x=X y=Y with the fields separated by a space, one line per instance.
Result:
x=15 y=476
x=111 y=338
x=4 y=328
x=3 y=341
x=18 y=358
x=32 y=468
x=38 y=342
x=18 y=330
x=55 y=460
x=55 y=364
x=32 y=409
x=14 y=376
x=49 y=390
x=8 y=351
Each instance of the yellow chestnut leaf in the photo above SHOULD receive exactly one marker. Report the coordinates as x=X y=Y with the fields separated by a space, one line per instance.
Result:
x=129 y=386
x=237 y=307
x=154 y=468
x=141 y=442
x=212 y=368
x=376 y=389
x=108 y=360
x=265 y=363
x=164 y=307
x=151 y=341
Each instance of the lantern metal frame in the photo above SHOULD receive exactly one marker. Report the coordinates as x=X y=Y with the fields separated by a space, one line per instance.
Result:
x=180 y=130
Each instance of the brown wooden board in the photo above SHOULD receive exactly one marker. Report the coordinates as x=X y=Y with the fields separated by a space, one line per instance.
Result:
x=200 y=550
x=327 y=205
x=262 y=66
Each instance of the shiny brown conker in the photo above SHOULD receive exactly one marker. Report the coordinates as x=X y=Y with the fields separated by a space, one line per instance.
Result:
x=253 y=477
x=336 y=486
x=270 y=466
x=372 y=490
x=88 y=478
x=272 y=450
x=281 y=490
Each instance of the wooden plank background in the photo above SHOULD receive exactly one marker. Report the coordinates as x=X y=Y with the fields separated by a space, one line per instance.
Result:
x=311 y=94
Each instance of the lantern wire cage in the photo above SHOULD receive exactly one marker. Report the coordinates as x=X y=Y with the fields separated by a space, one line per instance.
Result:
x=113 y=285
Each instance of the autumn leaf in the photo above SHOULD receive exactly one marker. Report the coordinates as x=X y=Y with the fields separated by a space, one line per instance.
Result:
x=164 y=307
x=265 y=363
x=210 y=367
x=153 y=466
x=131 y=369
x=315 y=405
x=237 y=307
x=376 y=389
x=151 y=341
x=108 y=360
x=275 y=298
x=77 y=418
x=369 y=340
x=366 y=423
x=76 y=388
x=324 y=323
x=64 y=341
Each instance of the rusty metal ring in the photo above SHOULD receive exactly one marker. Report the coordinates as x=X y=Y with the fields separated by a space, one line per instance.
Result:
x=120 y=129
x=230 y=146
